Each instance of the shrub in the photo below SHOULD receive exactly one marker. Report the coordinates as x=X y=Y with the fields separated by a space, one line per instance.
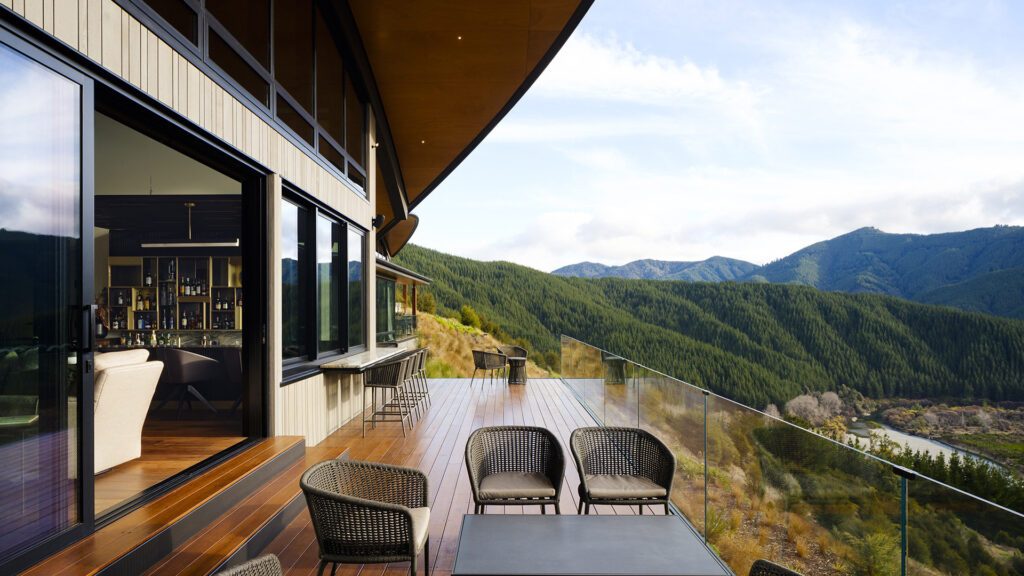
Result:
x=425 y=302
x=437 y=368
x=469 y=316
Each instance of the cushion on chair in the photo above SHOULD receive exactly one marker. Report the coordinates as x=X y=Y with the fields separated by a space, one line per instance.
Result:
x=106 y=360
x=622 y=486
x=516 y=485
x=420 y=525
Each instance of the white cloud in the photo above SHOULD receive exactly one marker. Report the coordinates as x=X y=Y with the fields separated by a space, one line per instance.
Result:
x=837 y=123
x=592 y=68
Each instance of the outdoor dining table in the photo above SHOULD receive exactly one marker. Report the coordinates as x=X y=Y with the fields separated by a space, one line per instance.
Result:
x=510 y=545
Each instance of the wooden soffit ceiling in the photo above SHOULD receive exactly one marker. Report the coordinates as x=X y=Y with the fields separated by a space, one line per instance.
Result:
x=448 y=70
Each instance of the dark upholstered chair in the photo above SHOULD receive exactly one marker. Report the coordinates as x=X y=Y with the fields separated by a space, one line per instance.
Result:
x=622 y=466
x=183 y=371
x=488 y=362
x=233 y=372
x=267 y=565
x=766 y=568
x=515 y=465
x=368 y=513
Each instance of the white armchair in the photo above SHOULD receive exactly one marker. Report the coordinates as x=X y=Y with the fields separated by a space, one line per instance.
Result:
x=124 y=388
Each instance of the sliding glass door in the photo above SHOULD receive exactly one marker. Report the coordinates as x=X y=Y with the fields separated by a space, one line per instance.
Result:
x=45 y=329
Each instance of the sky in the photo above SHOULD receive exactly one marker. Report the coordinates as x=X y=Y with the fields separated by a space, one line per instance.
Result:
x=681 y=130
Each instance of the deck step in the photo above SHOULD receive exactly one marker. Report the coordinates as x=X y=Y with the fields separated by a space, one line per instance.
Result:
x=243 y=531
x=149 y=536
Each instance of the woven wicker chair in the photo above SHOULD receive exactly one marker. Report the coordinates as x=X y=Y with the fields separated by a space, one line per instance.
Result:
x=512 y=351
x=515 y=465
x=622 y=466
x=488 y=362
x=766 y=568
x=267 y=565
x=365 y=512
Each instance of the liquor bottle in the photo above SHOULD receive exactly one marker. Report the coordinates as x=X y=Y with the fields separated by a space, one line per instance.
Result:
x=149 y=278
x=184 y=321
x=120 y=299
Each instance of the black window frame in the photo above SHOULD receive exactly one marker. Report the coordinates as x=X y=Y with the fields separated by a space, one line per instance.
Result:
x=208 y=23
x=302 y=367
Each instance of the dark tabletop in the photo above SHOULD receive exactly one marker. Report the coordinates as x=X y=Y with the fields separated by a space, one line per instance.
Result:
x=553 y=545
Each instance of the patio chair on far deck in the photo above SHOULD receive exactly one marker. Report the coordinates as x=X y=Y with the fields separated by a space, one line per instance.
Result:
x=515 y=465
x=513 y=351
x=766 y=568
x=488 y=362
x=622 y=466
x=366 y=512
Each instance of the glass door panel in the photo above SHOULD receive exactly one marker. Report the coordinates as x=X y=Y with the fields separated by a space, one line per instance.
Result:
x=41 y=300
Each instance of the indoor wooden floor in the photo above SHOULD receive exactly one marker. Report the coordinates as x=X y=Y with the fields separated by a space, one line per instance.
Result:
x=168 y=447
x=436 y=445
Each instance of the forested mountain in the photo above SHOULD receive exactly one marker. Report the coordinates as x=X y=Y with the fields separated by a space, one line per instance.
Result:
x=714 y=269
x=756 y=343
x=980 y=270
x=905 y=265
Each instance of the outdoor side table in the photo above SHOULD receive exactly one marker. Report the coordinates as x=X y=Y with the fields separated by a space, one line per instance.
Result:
x=516 y=370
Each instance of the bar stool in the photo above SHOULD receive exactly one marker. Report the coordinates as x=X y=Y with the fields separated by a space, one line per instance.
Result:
x=418 y=382
x=421 y=373
x=387 y=377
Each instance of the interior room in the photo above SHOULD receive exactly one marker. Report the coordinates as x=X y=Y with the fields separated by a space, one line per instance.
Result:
x=169 y=288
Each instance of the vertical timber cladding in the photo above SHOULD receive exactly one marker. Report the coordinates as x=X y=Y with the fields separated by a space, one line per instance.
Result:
x=110 y=36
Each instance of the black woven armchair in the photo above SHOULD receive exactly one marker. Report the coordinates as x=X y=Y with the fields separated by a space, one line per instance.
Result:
x=488 y=362
x=622 y=466
x=513 y=351
x=766 y=568
x=365 y=512
x=515 y=465
x=267 y=565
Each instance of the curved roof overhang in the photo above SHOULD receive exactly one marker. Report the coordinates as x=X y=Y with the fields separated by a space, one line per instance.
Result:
x=398 y=234
x=444 y=74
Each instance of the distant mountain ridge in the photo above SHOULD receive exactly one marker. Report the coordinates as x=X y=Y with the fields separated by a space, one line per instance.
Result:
x=981 y=270
x=714 y=269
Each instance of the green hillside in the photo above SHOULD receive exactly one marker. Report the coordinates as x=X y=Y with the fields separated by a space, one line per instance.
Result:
x=756 y=343
x=1000 y=293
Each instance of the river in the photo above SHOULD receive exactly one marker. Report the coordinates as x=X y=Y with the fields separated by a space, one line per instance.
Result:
x=860 y=430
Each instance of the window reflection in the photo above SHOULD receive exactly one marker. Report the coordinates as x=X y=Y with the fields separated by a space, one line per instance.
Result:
x=355 y=288
x=328 y=269
x=293 y=280
x=40 y=278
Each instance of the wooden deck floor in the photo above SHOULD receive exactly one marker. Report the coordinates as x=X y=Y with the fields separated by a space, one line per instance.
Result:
x=436 y=445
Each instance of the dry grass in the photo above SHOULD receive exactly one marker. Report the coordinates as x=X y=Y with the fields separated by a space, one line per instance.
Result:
x=451 y=347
